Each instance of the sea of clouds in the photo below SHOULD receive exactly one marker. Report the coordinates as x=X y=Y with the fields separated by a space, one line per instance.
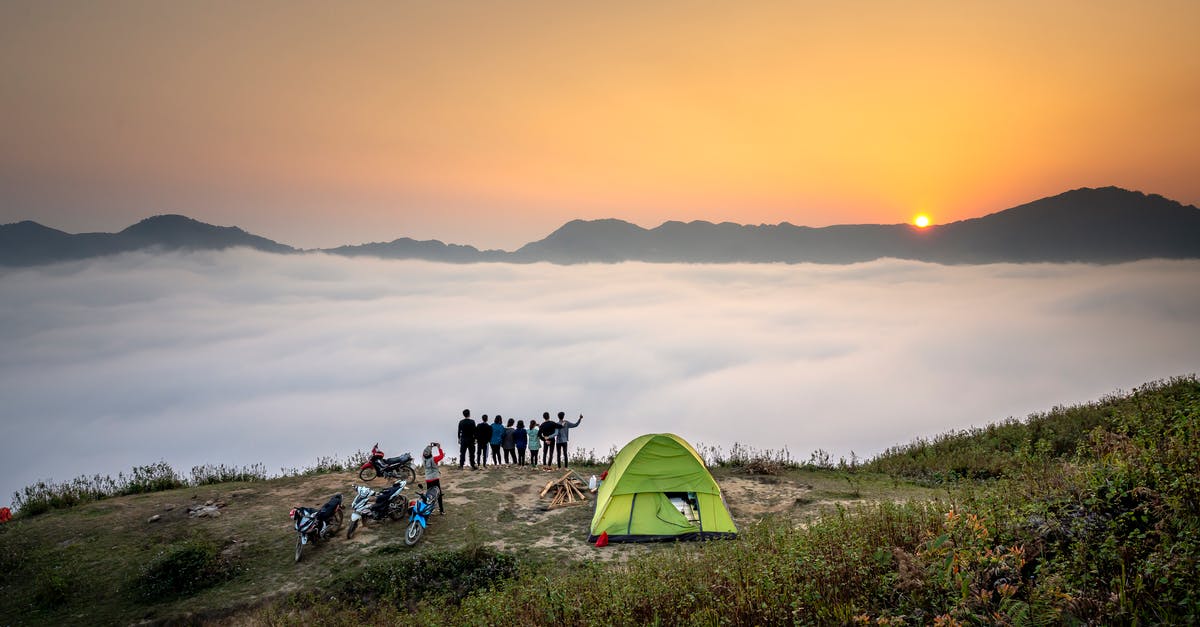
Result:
x=240 y=357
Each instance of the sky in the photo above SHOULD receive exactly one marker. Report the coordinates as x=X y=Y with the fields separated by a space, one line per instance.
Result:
x=493 y=123
x=241 y=357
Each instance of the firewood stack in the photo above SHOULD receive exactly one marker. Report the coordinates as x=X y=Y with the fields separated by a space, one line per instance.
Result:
x=567 y=490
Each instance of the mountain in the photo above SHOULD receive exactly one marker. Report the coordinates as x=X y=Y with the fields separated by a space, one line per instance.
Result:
x=29 y=243
x=1107 y=225
x=430 y=250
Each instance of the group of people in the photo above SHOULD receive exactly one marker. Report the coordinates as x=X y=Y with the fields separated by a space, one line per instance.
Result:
x=477 y=440
x=508 y=442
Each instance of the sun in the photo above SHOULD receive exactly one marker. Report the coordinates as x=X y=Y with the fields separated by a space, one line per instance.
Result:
x=921 y=221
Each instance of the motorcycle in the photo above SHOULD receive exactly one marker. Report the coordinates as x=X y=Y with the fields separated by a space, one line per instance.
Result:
x=389 y=503
x=313 y=524
x=419 y=510
x=392 y=467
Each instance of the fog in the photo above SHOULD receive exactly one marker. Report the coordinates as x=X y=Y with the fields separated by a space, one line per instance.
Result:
x=240 y=357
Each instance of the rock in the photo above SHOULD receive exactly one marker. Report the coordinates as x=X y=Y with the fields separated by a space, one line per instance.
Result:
x=204 y=511
x=154 y=518
x=208 y=503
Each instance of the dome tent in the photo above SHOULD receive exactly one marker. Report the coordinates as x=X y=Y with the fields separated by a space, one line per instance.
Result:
x=659 y=489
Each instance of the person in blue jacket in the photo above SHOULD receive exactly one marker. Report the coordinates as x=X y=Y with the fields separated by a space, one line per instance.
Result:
x=497 y=438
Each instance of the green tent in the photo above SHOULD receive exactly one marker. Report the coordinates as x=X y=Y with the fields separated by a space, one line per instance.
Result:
x=659 y=489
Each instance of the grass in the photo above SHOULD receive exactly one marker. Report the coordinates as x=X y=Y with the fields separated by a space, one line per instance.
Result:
x=1082 y=514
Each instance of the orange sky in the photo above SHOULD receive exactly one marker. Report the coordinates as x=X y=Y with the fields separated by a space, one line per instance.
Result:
x=492 y=123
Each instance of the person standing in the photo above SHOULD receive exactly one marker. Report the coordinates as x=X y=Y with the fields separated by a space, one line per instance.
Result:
x=508 y=442
x=535 y=443
x=483 y=435
x=521 y=441
x=497 y=438
x=546 y=434
x=564 y=429
x=433 y=474
x=466 y=440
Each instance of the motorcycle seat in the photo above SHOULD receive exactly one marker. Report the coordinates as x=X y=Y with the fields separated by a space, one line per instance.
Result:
x=395 y=461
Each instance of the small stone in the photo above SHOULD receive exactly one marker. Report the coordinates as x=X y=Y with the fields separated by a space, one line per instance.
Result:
x=208 y=503
x=168 y=507
x=155 y=518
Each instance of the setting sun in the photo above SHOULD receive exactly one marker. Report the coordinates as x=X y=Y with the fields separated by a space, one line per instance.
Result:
x=921 y=221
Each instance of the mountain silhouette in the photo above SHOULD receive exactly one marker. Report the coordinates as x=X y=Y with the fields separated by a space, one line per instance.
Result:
x=430 y=250
x=29 y=243
x=1107 y=225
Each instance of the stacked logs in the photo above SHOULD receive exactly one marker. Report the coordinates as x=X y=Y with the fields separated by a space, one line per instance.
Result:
x=567 y=490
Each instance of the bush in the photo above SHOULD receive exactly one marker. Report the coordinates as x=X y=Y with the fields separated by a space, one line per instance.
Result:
x=180 y=571
x=748 y=459
x=44 y=496
x=440 y=576
x=209 y=474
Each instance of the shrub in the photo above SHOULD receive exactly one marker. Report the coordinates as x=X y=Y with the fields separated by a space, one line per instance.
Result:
x=181 y=570
x=209 y=474
x=154 y=477
x=443 y=576
x=748 y=459
x=44 y=496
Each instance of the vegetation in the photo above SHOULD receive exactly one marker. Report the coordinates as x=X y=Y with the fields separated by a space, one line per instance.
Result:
x=44 y=496
x=181 y=570
x=1082 y=514
x=1094 y=519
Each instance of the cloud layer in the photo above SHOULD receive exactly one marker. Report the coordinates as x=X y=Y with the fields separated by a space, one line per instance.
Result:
x=241 y=357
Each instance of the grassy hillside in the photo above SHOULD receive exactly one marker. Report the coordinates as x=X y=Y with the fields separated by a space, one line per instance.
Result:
x=1081 y=514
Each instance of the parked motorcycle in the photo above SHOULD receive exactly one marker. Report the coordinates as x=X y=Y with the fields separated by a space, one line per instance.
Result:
x=389 y=503
x=419 y=510
x=392 y=467
x=313 y=524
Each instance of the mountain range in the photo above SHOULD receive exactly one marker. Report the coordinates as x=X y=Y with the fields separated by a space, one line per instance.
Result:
x=1106 y=225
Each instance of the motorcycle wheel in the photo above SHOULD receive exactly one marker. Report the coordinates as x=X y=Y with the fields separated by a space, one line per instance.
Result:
x=368 y=473
x=350 y=531
x=396 y=512
x=413 y=534
x=337 y=521
x=299 y=546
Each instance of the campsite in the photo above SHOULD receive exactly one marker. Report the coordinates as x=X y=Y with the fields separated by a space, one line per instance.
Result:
x=1076 y=514
x=107 y=543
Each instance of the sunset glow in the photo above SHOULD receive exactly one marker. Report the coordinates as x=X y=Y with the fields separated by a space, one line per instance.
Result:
x=921 y=221
x=477 y=123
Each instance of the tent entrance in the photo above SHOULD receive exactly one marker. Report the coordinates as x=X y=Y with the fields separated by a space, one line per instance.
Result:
x=686 y=504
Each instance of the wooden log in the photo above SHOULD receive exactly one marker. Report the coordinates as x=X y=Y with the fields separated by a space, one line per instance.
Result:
x=546 y=489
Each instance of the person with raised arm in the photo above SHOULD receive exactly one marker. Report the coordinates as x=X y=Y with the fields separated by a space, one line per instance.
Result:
x=563 y=434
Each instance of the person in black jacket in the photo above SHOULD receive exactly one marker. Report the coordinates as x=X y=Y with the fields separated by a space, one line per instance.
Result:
x=466 y=440
x=508 y=442
x=547 y=431
x=483 y=436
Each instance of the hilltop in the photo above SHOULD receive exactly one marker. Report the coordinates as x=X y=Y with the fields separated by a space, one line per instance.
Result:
x=1107 y=225
x=1078 y=514
x=84 y=562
